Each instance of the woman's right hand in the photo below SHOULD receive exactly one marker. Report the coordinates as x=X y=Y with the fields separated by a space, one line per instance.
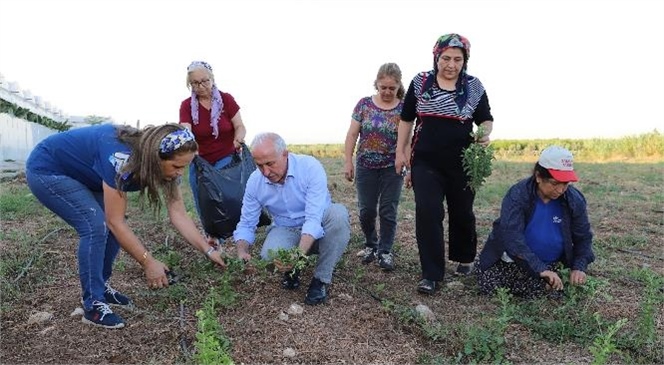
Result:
x=349 y=171
x=217 y=257
x=155 y=273
x=401 y=162
x=408 y=182
x=552 y=279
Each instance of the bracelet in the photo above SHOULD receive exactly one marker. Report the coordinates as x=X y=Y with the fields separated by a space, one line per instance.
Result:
x=209 y=251
x=144 y=257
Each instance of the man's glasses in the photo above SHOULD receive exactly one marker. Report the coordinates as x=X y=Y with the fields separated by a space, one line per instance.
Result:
x=200 y=83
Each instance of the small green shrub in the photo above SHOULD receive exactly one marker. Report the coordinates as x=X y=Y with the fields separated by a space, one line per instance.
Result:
x=476 y=160
x=292 y=257
x=604 y=344
x=212 y=346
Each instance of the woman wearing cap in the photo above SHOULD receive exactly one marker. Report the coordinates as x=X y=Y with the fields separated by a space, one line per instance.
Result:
x=83 y=175
x=543 y=221
x=214 y=118
x=445 y=103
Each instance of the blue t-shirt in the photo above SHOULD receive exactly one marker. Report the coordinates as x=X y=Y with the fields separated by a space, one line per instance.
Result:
x=91 y=155
x=543 y=232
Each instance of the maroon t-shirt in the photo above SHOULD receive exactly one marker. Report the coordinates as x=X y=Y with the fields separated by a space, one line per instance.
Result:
x=211 y=149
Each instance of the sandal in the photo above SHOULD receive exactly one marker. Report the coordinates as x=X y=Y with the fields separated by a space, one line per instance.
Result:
x=426 y=286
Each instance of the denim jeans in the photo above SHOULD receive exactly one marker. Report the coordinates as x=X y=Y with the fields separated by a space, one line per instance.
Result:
x=329 y=248
x=82 y=209
x=378 y=193
x=193 y=179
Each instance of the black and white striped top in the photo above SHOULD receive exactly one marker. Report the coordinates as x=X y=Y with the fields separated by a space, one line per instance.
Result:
x=441 y=124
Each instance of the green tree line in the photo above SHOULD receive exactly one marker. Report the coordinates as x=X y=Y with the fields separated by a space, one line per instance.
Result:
x=643 y=147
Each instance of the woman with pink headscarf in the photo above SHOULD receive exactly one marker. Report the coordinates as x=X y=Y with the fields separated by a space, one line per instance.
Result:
x=444 y=103
x=214 y=118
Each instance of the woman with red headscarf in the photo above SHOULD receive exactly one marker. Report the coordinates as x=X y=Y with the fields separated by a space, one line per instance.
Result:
x=444 y=103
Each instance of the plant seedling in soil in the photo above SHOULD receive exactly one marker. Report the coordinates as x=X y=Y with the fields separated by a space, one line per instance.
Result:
x=292 y=259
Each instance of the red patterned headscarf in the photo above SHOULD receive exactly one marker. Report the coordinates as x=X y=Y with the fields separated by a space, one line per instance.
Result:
x=458 y=41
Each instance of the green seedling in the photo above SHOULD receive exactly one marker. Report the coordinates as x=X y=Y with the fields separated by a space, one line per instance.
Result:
x=476 y=160
x=292 y=259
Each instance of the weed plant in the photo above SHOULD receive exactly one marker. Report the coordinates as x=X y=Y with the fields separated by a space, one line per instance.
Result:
x=292 y=259
x=570 y=318
x=476 y=160
x=485 y=342
x=604 y=344
x=17 y=202
x=212 y=346
x=643 y=343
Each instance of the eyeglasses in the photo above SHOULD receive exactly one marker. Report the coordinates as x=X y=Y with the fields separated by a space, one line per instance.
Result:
x=196 y=84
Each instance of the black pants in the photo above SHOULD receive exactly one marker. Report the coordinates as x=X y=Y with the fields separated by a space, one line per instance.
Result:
x=434 y=185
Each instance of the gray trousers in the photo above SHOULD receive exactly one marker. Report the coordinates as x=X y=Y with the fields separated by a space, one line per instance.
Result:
x=378 y=193
x=330 y=247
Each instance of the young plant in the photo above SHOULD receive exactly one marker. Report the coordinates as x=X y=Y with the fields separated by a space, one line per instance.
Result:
x=604 y=344
x=476 y=160
x=212 y=345
x=486 y=343
x=292 y=259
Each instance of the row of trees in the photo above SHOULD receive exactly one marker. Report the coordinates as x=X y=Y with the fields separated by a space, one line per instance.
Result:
x=644 y=147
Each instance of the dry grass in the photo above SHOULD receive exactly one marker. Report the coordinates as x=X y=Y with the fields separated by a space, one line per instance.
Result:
x=368 y=317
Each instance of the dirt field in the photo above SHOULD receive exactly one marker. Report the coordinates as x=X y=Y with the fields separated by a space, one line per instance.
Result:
x=369 y=317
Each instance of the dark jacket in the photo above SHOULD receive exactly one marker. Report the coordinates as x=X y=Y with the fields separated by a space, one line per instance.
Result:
x=516 y=211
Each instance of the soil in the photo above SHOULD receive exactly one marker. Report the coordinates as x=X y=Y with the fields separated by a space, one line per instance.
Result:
x=354 y=326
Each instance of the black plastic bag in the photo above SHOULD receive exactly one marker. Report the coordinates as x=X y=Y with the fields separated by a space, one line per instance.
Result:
x=220 y=193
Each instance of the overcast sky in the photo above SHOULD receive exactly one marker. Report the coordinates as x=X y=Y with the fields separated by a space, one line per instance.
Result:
x=552 y=69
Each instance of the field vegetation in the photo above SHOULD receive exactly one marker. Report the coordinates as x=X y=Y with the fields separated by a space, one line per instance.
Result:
x=241 y=315
x=647 y=147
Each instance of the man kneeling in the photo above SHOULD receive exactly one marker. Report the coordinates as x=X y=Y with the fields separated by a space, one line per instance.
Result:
x=293 y=189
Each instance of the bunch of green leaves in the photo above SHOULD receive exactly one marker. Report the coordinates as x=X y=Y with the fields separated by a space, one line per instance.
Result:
x=212 y=345
x=476 y=160
x=485 y=343
x=604 y=343
x=292 y=257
